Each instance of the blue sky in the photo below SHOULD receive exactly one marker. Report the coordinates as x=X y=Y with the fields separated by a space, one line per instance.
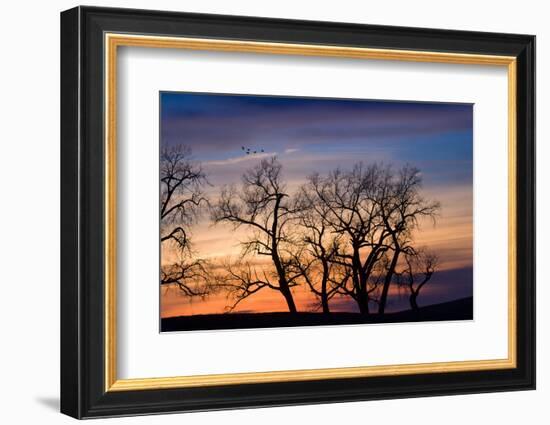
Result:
x=436 y=137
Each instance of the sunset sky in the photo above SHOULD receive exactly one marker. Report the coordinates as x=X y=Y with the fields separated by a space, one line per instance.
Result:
x=318 y=135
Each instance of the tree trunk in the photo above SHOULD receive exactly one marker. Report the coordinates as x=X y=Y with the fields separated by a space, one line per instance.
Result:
x=324 y=303
x=363 y=302
x=360 y=289
x=387 y=282
x=412 y=300
x=285 y=290
x=324 y=289
x=283 y=283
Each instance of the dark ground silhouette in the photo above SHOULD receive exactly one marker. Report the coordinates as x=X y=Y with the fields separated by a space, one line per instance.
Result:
x=454 y=310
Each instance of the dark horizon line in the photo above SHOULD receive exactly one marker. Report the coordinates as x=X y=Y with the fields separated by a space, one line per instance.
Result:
x=460 y=309
x=374 y=313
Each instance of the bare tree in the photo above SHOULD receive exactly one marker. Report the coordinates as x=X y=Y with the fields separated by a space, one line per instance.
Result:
x=376 y=212
x=320 y=248
x=419 y=268
x=262 y=206
x=401 y=207
x=352 y=211
x=181 y=198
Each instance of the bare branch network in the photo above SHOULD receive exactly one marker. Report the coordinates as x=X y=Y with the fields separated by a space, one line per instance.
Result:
x=349 y=233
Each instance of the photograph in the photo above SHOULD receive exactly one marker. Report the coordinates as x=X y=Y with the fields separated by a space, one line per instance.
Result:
x=279 y=211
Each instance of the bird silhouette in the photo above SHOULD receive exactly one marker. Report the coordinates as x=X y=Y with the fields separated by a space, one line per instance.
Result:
x=252 y=151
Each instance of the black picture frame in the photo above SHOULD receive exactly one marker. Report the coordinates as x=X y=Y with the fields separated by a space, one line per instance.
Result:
x=83 y=393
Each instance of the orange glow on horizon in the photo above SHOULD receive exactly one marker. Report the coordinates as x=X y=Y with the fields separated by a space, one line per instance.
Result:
x=451 y=238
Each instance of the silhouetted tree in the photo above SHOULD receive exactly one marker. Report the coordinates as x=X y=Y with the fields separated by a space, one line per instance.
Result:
x=262 y=206
x=181 y=199
x=401 y=207
x=418 y=269
x=375 y=211
x=320 y=247
x=350 y=201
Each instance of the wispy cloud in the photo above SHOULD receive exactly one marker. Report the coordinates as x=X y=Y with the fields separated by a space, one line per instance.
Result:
x=239 y=159
x=291 y=150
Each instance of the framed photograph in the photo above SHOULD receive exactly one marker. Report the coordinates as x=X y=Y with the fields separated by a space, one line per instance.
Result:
x=261 y=212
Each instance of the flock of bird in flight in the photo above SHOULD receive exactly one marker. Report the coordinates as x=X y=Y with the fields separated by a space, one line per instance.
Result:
x=249 y=151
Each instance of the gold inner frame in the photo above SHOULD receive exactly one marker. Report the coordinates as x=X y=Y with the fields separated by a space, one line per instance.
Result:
x=113 y=41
